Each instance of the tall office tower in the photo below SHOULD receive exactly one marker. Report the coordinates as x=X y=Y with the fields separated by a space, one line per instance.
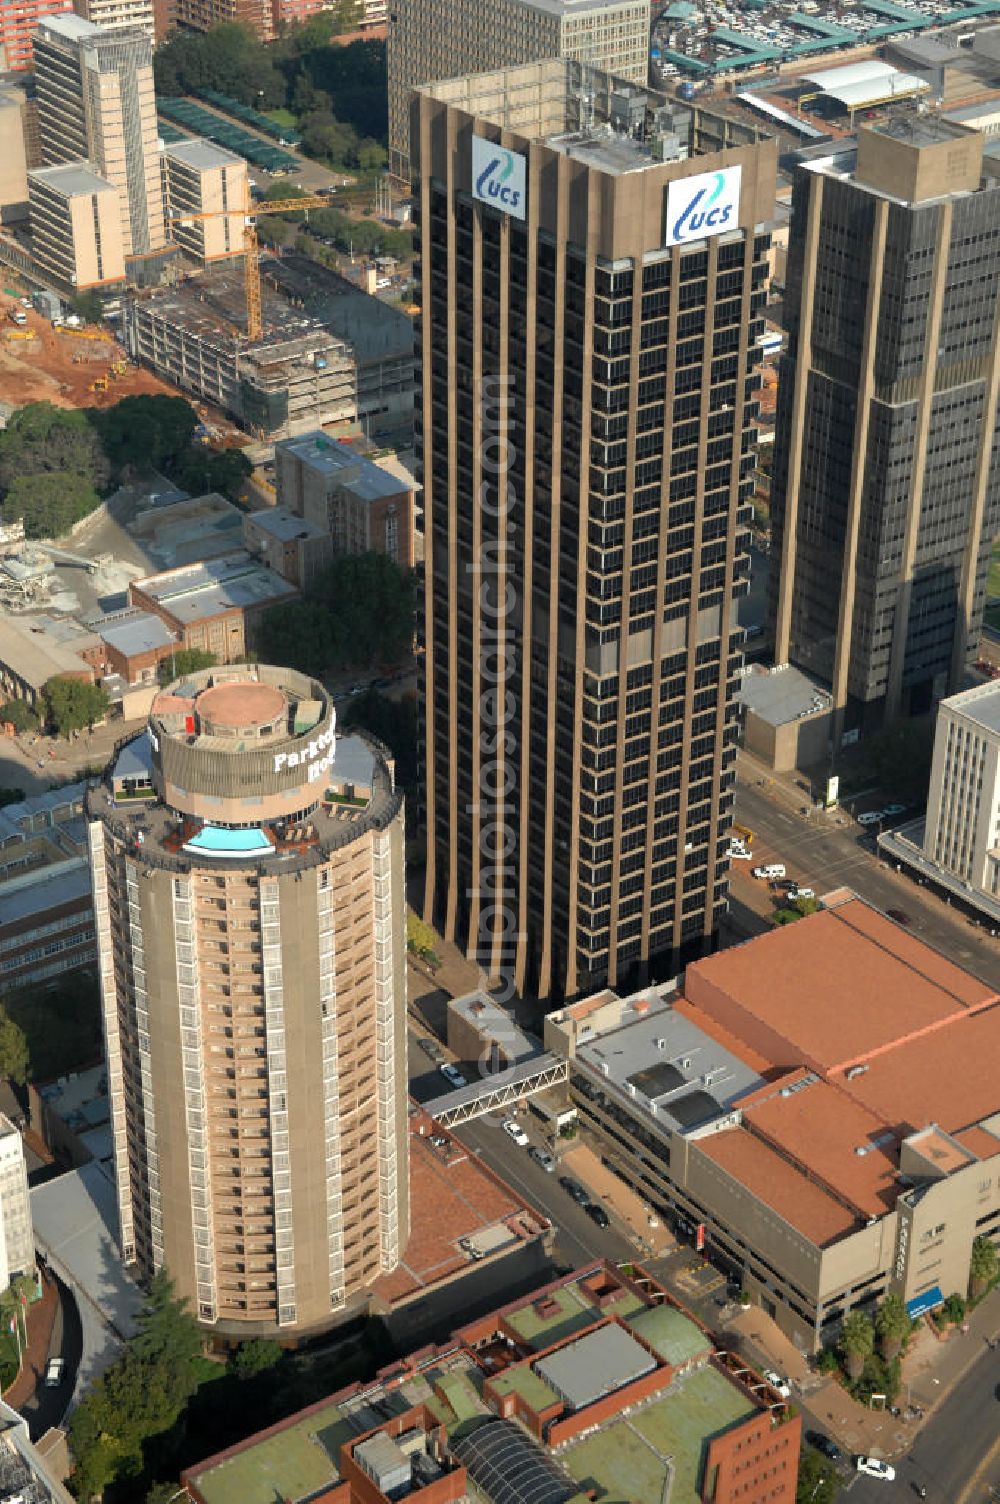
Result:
x=112 y=15
x=251 y=924
x=429 y=40
x=886 y=491
x=593 y=269
x=96 y=102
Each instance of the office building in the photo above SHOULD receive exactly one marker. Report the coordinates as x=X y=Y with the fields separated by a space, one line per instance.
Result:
x=289 y=545
x=201 y=178
x=18 y=19
x=46 y=911
x=17 y=1247
x=249 y=888
x=13 y=157
x=361 y=507
x=76 y=227
x=599 y=1385
x=821 y=1102
x=114 y=15
x=430 y=40
x=96 y=103
x=885 y=498
x=584 y=445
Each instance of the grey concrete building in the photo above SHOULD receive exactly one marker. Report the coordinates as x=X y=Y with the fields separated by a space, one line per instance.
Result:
x=593 y=266
x=248 y=891
x=886 y=491
x=430 y=40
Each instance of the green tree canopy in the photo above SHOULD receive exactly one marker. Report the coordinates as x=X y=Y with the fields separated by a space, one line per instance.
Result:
x=50 y=503
x=299 y=635
x=817 y=1482
x=19 y=714
x=857 y=1342
x=144 y=431
x=360 y=612
x=61 y=1024
x=13 y=1050
x=88 y=306
x=44 y=440
x=200 y=470
x=892 y=1325
x=73 y=705
x=254 y=1356
x=186 y=661
x=984 y=1265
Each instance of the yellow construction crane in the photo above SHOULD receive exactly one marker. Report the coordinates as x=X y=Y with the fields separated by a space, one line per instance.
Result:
x=251 y=245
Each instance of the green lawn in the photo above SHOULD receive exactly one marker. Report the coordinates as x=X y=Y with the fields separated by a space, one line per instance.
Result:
x=282 y=117
x=292 y=1465
x=573 y=1313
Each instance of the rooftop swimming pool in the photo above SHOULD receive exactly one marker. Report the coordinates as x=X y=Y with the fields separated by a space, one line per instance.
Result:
x=216 y=840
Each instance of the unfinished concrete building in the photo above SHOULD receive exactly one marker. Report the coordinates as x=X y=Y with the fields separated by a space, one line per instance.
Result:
x=295 y=378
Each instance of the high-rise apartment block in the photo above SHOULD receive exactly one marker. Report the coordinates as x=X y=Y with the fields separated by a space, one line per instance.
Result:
x=76 y=227
x=113 y=15
x=17 y=1245
x=592 y=269
x=18 y=20
x=96 y=103
x=430 y=40
x=202 y=178
x=248 y=890
x=962 y=830
x=886 y=492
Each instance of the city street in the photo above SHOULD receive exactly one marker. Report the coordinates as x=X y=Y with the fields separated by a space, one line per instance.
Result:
x=825 y=854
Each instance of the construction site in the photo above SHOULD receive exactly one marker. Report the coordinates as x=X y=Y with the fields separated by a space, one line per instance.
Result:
x=67 y=367
x=297 y=376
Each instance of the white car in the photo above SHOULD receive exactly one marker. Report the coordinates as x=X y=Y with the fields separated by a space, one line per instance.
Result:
x=770 y=869
x=802 y=893
x=54 y=1372
x=514 y=1130
x=874 y=1467
x=777 y=1382
x=453 y=1075
x=871 y=818
x=739 y=854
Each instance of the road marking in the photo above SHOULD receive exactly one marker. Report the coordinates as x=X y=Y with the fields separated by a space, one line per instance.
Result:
x=976 y=1480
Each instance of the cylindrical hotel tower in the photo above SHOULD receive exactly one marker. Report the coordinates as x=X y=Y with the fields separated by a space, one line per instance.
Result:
x=248 y=887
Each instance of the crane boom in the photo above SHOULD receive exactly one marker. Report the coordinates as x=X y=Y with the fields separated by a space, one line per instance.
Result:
x=251 y=244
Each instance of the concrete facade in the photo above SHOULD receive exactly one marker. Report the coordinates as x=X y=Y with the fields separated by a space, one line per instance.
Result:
x=76 y=227
x=885 y=499
x=214 y=605
x=359 y=506
x=429 y=40
x=13 y=157
x=17 y=1248
x=588 y=673
x=201 y=178
x=253 y=977
x=962 y=830
x=113 y=15
x=288 y=544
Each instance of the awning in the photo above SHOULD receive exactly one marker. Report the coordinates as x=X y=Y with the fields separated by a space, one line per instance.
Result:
x=928 y=1301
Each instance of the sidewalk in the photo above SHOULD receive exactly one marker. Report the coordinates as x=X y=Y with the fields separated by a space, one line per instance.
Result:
x=41 y=1318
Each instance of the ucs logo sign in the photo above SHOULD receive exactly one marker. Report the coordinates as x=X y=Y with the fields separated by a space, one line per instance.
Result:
x=498 y=177
x=702 y=206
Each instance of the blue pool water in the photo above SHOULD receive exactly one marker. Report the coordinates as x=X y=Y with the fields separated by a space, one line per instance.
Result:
x=213 y=838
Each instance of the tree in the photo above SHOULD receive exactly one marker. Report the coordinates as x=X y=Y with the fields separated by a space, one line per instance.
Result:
x=167 y=1335
x=43 y=440
x=61 y=1023
x=73 y=705
x=19 y=714
x=984 y=1266
x=50 y=503
x=421 y=939
x=817 y=1482
x=254 y=1356
x=299 y=635
x=892 y=1325
x=372 y=602
x=187 y=661
x=144 y=431
x=13 y=1050
x=857 y=1342
x=88 y=306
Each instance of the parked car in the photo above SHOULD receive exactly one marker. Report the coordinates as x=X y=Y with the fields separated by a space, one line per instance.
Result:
x=739 y=854
x=431 y=1048
x=777 y=1382
x=874 y=1467
x=54 y=1372
x=892 y=810
x=797 y=892
x=453 y=1075
x=542 y=1157
x=823 y=1444
x=898 y=915
x=871 y=817
x=514 y=1130
x=597 y=1214
x=771 y=869
x=574 y=1189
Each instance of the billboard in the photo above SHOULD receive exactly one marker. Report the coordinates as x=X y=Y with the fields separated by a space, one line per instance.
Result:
x=499 y=177
x=699 y=1237
x=702 y=206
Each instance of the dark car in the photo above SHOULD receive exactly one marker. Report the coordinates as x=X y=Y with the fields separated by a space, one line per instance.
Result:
x=898 y=916
x=575 y=1189
x=823 y=1444
x=598 y=1214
